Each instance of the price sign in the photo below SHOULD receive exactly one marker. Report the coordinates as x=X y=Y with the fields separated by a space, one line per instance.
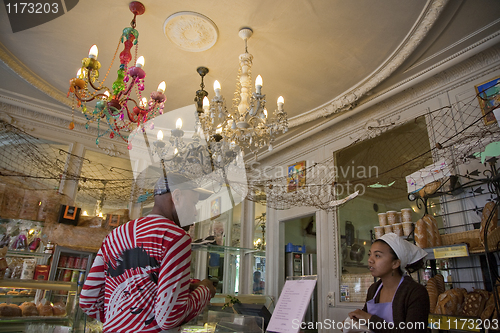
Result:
x=451 y=251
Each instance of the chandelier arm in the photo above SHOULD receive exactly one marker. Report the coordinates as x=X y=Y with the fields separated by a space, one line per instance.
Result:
x=82 y=99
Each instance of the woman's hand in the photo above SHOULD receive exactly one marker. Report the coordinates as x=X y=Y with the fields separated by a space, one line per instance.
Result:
x=359 y=314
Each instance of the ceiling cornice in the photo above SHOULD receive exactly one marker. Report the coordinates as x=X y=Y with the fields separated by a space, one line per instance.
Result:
x=29 y=76
x=347 y=100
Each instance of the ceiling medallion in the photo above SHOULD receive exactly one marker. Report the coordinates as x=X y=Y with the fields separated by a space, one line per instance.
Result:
x=191 y=31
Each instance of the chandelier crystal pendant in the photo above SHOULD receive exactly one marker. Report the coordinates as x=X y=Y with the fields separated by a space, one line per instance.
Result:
x=247 y=123
x=100 y=104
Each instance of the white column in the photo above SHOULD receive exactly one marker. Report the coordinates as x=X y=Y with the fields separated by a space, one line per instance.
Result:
x=247 y=233
x=135 y=207
x=73 y=168
x=275 y=253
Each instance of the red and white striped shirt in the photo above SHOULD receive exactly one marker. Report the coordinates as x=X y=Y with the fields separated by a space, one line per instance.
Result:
x=139 y=281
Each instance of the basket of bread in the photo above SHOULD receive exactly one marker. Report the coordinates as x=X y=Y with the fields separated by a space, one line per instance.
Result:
x=427 y=233
x=458 y=302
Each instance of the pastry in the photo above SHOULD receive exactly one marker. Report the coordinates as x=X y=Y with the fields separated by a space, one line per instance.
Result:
x=487 y=211
x=13 y=292
x=432 y=230
x=29 y=309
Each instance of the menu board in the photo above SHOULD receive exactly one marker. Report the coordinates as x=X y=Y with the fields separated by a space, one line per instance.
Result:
x=291 y=307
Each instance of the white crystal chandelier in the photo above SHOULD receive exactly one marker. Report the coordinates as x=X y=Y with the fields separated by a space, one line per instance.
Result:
x=247 y=123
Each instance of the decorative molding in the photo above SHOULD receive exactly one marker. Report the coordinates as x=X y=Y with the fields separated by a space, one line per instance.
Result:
x=29 y=76
x=469 y=70
x=347 y=100
x=191 y=31
x=10 y=120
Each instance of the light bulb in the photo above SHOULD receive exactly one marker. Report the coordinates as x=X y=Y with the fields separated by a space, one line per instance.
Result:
x=140 y=62
x=100 y=214
x=281 y=101
x=85 y=213
x=178 y=124
x=93 y=52
x=143 y=103
x=206 y=103
x=176 y=151
x=161 y=87
x=106 y=95
x=258 y=84
x=219 y=129
x=265 y=112
x=159 y=136
x=79 y=73
x=217 y=88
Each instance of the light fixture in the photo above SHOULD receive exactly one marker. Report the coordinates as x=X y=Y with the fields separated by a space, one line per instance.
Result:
x=247 y=123
x=113 y=106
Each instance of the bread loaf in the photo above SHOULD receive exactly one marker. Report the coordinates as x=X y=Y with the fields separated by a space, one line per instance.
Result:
x=45 y=310
x=421 y=234
x=432 y=230
x=432 y=290
x=474 y=304
x=59 y=309
x=489 y=308
x=440 y=283
x=487 y=211
x=29 y=309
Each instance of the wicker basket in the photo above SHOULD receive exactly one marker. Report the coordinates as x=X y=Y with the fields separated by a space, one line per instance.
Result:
x=494 y=240
x=471 y=238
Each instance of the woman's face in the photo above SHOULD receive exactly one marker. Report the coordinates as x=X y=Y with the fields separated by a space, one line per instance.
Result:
x=380 y=260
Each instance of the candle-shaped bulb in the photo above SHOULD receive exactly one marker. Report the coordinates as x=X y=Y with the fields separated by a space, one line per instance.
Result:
x=143 y=103
x=281 y=101
x=178 y=124
x=206 y=103
x=106 y=95
x=79 y=73
x=176 y=151
x=161 y=87
x=265 y=113
x=93 y=52
x=217 y=88
x=219 y=129
x=258 y=84
x=140 y=62
x=159 y=136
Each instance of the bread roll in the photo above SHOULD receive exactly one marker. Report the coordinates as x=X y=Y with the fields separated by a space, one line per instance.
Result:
x=10 y=310
x=440 y=283
x=473 y=304
x=432 y=290
x=448 y=303
x=429 y=232
x=45 y=310
x=59 y=309
x=29 y=309
x=421 y=234
x=487 y=210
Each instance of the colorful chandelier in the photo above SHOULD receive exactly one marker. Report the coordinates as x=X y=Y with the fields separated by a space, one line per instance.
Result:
x=247 y=123
x=116 y=107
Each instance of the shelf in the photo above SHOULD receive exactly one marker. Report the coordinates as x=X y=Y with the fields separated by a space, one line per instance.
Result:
x=16 y=298
x=38 y=284
x=227 y=249
x=73 y=269
x=15 y=253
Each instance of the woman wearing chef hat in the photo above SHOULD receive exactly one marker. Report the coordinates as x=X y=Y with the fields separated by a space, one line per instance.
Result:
x=395 y=302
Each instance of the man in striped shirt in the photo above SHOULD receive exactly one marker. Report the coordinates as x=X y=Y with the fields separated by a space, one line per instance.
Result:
x=140 y=281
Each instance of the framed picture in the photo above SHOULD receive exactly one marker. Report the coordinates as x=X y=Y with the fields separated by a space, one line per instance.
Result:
x=296 y=178
x=215 y=208
x=488 y=95
x=113 y=220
